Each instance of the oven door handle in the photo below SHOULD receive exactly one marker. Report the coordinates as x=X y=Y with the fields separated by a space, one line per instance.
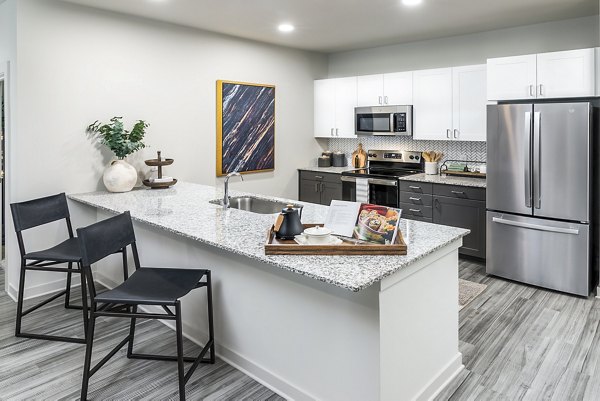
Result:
x=387 y=183
x=375 y=181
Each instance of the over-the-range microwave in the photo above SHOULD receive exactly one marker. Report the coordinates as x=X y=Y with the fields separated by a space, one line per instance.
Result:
x=383 y=120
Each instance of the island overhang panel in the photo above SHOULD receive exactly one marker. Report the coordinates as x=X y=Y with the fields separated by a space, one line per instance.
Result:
x=309 y=327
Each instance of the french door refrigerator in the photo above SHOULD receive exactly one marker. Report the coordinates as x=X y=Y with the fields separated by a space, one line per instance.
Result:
x=539 y=191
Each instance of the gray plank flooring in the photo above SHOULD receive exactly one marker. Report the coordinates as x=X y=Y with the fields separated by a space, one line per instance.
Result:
x=45 y=370
x=518 y=343
x=525 y=343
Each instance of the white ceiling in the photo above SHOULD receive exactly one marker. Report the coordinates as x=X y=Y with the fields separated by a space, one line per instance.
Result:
x=337 y=25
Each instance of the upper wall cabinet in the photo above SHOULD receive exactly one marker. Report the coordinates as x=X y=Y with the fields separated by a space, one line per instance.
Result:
x=335 y=100
x=450 y=103
x=545 y=75
x=384 y=89
x=432 y=104
x=511 y=77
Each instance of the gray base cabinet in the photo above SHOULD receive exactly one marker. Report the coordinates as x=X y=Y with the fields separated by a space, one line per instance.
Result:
x=320 y=188
x=449 y=205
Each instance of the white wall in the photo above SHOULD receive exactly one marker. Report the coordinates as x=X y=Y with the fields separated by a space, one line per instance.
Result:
x=468 y=49
x=77 y=65
x=8 y=58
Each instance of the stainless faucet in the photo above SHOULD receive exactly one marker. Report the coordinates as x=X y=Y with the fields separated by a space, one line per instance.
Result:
x=225 y=202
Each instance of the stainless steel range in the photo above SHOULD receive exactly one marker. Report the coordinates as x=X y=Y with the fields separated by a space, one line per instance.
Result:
x=378 y=183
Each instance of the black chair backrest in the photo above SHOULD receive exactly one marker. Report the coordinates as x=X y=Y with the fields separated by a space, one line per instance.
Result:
x=104 y=238
x=40 y=211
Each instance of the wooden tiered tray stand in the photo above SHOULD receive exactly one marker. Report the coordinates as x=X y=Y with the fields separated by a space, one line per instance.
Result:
x=159 y=162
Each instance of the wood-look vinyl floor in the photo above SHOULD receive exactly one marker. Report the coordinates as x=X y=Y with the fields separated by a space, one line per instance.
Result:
x=47 y=370
x=525 y=343
x=518 y=343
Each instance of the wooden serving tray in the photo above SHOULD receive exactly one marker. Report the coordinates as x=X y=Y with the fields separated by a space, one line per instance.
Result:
x=463 y=173
x=275 y=246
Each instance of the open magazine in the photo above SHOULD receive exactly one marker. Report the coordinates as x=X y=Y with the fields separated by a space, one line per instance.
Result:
x=363 y=221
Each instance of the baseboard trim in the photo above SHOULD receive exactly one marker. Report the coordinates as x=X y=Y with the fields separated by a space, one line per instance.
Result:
x=44 y=288
x=444 y=377
x=255 y=371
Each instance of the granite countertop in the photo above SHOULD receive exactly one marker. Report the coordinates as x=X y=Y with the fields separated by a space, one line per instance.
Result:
x=448 y=180
x=185 y=210
x=334 y=170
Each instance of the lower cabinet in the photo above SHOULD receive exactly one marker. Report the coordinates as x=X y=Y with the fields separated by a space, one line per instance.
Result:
x=463 y=213
x=449 y=205
x=320 y=188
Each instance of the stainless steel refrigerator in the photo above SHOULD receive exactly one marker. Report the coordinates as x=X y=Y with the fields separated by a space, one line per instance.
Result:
x=539 y=194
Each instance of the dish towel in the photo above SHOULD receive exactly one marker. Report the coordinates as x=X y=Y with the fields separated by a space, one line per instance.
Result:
x=362 y=190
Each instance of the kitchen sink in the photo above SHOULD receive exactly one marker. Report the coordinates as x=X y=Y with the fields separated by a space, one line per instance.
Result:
x=254 y=205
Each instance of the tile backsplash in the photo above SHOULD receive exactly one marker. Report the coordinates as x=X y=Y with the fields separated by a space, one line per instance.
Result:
x=460 y=150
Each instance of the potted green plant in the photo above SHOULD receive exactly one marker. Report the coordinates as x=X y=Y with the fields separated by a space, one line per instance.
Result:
x=119 y=176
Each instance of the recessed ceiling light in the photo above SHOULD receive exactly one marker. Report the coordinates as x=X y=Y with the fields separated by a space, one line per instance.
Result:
x=286 y=27
x=411 y=2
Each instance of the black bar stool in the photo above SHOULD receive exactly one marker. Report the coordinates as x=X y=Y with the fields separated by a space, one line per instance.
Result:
x=32 y=214
x=146 y=286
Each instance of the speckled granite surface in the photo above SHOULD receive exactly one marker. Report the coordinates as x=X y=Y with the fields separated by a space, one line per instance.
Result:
x=335 y=170
x=185 y=210
x=448 y=180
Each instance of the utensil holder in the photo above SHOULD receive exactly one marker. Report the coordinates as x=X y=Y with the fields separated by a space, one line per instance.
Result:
x=431 y=168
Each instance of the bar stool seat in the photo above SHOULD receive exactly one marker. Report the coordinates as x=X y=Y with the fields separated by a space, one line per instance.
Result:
x=151 y=286
x=67 y=251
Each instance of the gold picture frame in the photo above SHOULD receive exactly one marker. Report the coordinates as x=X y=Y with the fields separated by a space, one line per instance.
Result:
x=245 y=127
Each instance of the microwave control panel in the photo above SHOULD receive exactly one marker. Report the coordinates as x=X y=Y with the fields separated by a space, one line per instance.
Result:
x=400 y=122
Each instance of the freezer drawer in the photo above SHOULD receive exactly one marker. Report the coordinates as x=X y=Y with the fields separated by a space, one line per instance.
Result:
x=546 y=253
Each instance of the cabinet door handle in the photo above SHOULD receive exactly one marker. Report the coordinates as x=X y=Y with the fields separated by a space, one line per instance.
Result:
x=332 y=132
x=531 y=93
x=380 y=100
x=456 y=133
x=415 y=210
x=448 y=133
x=414 y=187
x=385 y=99
x=337 y=132
x=316 y=187
x=321 y=186
x=541 y=90
x=415 y=199
x=458 y=192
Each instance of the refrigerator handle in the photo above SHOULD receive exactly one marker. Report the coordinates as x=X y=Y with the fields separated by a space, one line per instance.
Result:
x=527 y=159
x=537 y=157
x=539 y=227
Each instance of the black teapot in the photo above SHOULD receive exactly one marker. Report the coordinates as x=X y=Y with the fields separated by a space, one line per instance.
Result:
x=288 y=223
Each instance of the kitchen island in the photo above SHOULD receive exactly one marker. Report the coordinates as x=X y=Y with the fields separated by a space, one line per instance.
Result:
x=309 y=327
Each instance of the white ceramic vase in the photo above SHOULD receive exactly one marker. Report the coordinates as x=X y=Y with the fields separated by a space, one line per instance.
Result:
x=431 y=168
x=119 y=176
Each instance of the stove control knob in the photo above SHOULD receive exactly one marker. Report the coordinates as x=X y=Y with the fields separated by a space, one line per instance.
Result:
x=372 y=155
x=416 y=157
x=411 y=157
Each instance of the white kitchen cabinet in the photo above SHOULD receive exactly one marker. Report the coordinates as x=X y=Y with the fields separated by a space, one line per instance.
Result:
x=432 y=101
x=561 y=74
x=450 y=103
x=334 y=103
x=398 y=88
x=511 y=78
x=324 y=108
x=566 y=74
x=469 y=104
x=384 y=89
x=369 y=89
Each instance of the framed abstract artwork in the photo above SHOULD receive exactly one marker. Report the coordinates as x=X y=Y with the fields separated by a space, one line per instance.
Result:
x=245 y=127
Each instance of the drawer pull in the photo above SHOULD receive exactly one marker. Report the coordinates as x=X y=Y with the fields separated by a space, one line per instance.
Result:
x=458 y=192
x=319 y=177
x=415 y=199
x=415 y=210
x=414 y=187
